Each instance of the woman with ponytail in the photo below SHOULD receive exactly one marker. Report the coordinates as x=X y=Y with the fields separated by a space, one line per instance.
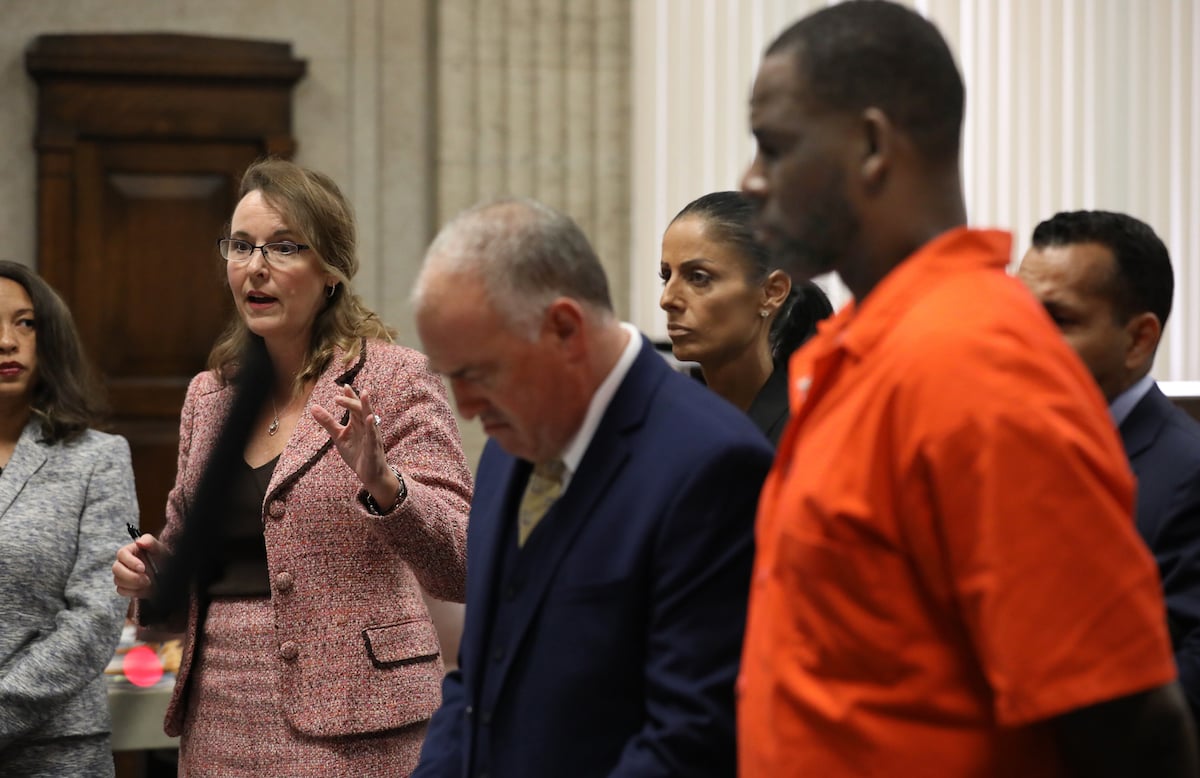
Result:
x=729 y=311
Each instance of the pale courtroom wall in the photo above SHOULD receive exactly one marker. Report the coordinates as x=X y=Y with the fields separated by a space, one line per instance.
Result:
x=1071 y=104
x=363 y=114
x=533 y=101
x=417 y=108
x=360 y=115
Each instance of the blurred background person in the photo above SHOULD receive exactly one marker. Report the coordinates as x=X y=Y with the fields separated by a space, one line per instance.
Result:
x=1106 y=280
x=66 y=491
x=311 y=651
x=729 y=312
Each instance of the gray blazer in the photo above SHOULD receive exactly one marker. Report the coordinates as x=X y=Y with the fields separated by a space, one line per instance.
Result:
x=63 y=510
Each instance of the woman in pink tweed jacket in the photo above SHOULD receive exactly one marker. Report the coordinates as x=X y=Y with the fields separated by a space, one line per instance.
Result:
x=312 y=652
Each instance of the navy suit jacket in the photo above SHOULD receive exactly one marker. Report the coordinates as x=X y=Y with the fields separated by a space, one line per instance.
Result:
x=1163 y=444
x=609 y=644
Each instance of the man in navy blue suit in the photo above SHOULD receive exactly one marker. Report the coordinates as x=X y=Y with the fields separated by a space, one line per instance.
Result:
x=603 y=632
x=1106 y=280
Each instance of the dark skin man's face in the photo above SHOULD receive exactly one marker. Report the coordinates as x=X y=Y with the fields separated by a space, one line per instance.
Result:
x=798 y=177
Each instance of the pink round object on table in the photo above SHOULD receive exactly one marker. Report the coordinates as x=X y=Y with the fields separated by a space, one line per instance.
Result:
x=142 y=666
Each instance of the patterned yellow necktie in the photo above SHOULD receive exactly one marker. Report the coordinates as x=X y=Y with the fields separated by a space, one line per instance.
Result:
x=544 y=487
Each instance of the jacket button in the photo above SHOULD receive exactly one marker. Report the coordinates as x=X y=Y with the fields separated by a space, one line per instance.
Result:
x=289 y=650
x=276 y=509
x=470 y=711
x=283 y=582
x=486 y=717
x=498 y=655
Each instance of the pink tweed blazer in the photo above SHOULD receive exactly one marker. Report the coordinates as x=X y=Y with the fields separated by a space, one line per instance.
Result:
x=358 y=652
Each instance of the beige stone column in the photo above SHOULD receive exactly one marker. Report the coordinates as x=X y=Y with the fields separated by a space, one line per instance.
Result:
x=533 y=101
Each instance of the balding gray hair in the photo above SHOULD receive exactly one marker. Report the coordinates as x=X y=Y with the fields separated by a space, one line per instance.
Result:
x=525 y=253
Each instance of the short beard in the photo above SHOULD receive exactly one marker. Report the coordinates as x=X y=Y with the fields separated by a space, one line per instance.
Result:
x=803 y=261
x=821 y=245
x=824 y=230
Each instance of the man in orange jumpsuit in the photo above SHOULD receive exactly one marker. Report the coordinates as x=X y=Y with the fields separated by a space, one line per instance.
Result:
x=948 y=580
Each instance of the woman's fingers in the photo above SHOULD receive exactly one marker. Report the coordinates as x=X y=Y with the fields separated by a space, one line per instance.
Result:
x=129 y=571
x=128 y=559
x=150 y=544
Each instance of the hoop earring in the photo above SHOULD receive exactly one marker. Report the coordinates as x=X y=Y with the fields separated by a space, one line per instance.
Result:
x=329 y=290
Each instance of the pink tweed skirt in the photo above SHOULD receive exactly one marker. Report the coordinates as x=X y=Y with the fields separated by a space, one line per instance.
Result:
x=235 y=726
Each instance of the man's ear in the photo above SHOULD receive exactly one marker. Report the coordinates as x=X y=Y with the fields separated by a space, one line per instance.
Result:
x=1144 y=331
x=563 y=324
x=879 y=146
x=776 y=289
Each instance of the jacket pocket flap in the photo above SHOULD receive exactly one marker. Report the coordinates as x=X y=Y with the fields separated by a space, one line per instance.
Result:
x=405 y=643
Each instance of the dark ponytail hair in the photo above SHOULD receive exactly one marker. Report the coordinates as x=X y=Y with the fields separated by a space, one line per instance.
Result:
x=797 y=321
x=729 y=218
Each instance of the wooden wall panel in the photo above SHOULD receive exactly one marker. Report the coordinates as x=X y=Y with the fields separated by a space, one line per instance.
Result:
x=141 y=140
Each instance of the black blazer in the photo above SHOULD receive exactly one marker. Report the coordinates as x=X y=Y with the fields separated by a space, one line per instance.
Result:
x=769 y=411
x=1163 y=445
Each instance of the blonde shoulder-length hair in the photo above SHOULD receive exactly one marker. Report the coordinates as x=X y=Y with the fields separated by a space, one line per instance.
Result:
x=317 y=211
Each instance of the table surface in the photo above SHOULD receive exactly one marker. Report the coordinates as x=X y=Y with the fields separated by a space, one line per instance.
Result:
x=137 y=717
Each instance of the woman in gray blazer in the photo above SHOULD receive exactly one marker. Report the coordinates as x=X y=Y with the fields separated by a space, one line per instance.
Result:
x=66 y=491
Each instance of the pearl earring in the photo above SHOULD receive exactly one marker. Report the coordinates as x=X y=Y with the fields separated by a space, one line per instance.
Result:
x=764 y=313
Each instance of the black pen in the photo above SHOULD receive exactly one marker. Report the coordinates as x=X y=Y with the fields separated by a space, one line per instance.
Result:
x=136 y=533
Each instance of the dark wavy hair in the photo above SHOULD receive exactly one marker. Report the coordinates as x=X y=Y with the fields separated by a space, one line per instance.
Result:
x=729 y=219
x=67 y=392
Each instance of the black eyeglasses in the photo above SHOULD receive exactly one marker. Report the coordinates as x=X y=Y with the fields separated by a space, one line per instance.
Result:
x=281 y=253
